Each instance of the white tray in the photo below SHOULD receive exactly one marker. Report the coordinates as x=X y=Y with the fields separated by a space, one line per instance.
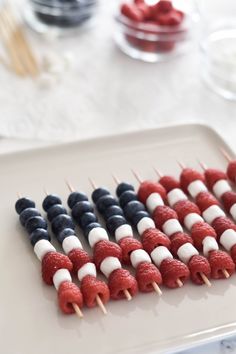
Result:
x=29 y=318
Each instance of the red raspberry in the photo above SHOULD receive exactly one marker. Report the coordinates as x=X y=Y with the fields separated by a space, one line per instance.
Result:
x=164 y=6
x=233 y=253
x=220 y=260
x=148 y=187
x=104 y=249
x=199 y=264
x=163 y=213
x=138 y=2
x=172 y=270
x=185 y=207
x=146 y=274
x=212 y=176
x=231 y=171
x=52 y=262
x=132 y=12
x=172 y=18
x=90 y=287
x=120 y=280
x=177 y=240
x=189 y=175
x=228 y=199
x=153 y=238
x=204 y=200
x=199 y=231
x=222 y=224
x=169 y=183
x=145 y=10
x=68 y=294
x=78 y=257
x=128 y=245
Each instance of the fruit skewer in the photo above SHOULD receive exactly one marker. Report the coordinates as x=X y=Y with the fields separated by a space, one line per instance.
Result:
x=231 y=168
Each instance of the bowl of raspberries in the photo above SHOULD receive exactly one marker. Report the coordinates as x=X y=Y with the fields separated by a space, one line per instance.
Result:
x=155 y=30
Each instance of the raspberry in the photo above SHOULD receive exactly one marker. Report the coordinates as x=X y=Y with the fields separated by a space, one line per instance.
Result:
x=78 y=257
x=231 y=171
x=132 y=12
x=148 y=187
x=189 y=175
x=146 y=274
x=120 y=280
x=199 y=231
x=128 y=245
x=204 y=200
x=172 y=270
x=90 y=287
x=153 y=238
x=228 y=199
x=163 y=6
x=222 y=224
x=104 y=249
x=177 y=240
x=233 y=253
x=185 y=207
x=212 y=176
x=220 y=260
x=199 y=264
x=169 y=183
x=163 y=213
x=52 y=262
x=68 y=294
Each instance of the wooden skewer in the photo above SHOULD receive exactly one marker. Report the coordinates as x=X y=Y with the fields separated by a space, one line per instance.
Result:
x=156 y=288
x=226 y=155
x=159 y=173
x=116 y=179
x=78 y=312
x=205 y=279
x=203 y=165
x=226 y=274
x=181 y=165
x=137 y=176
x=179 y=282
x=69 y=185
x=101 y=304
x=93 y=184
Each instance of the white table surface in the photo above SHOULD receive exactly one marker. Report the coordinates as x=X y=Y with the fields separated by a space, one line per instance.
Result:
x=105 y=93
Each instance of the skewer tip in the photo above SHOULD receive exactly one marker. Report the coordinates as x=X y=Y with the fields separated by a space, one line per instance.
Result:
x=127 y=295
x=19 y=195
x=179 y=282
x=101 y=305
x=202 y=164
x=69 y=185
x=205 y=279
x=226 y=273
x=91 y=181
x=45 y=191
x=78 y=312
x=158 y=172
x=156 y=288
x=137 y=176
x=181 y=165
x=116 y=179
x=226 y=155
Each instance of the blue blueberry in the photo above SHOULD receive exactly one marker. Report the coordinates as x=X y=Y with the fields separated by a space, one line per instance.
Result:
x=51 y=200
x=112 y=210
x=54 y=211
x=27 y=214
x=39 y=234
x=105 y=202
x=65 y=233
x=62 y=222
x=127 y=197
x=24 y=203
x=80 y=208
x=76 y=197
x=86 y=219
x=98 y=193
x=123 y=187
x=138 y=216
x=36 y=222
x=114 y=222
x=89 y=227
x=133 y=208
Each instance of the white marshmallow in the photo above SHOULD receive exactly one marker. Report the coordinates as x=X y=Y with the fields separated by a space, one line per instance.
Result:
x=42 y=247
x=145 y=224
x=196 y=187
x=233 y=211
x=70 y=243
x=186 y=252
x=175 y=196
x=139 y=256
x=228 y=239
x=192 y=219
x=159 y=254
x=220 y=187
x=60 y=277
x=108 y=265
x=97 y=234
x=171 y=226
x=87 y=269
x=153 y=201
x=123 y=231
x=209 y=244
x=212 y=213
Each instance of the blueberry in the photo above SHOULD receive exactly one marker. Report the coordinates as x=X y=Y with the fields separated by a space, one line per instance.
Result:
x=76 y=197
x=112 y=210
x=114 y=222
x=80 y=208
x=27 y=214
x=39 y=234
x=65 y=233
x=89 y=227
x=23 y=203
x=51 y=200
x=123 y=187
x=98 y=193
x=55 y=210
x=133 y=208
x=127 y=197
x=138 y=216
x=62 y=222
x=86 y=219
x=36 y=222
x=105 y=202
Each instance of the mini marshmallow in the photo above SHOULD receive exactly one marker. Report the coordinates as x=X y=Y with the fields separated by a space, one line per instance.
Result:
x=212 y=213
x=87 y=269
x=145 y=224
x=153 y=201
x=192 y=219
x=159 y=254
x=108 y=265
x=233 y=211
x=209 y=244
x=186 y=252
x=60 y=277
x=171 y=226
x=42 y=247
x=70 y=243
x=123 y=231
x=228 y=239
x=97 y=234
x=196 y=187
x=221 y=187
x=175 y=196
x=139 y=256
